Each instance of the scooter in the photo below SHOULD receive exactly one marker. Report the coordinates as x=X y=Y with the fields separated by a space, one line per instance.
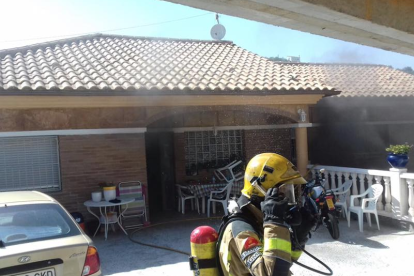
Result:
x=321 y=202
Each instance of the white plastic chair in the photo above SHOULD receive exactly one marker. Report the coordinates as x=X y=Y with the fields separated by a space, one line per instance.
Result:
x=226 y=173
x=221 y=196
x=238 y=182
x=219 y=172
x=368 y=205
x=183 y=194
x=341 y=192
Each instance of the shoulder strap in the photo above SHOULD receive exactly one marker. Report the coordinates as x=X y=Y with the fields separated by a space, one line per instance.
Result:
x=226 y=220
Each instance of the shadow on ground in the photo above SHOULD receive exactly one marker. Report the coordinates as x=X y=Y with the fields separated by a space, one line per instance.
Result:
x=350 y=236
x=373 y=252
x=119 y=254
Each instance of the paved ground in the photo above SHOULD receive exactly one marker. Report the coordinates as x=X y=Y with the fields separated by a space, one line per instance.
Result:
x=385 y=252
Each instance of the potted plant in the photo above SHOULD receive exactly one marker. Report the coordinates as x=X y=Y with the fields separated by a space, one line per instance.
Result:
x=398 y=155
x=109 y=190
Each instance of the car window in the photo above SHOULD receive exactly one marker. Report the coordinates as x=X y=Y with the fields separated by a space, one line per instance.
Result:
x=32 y=222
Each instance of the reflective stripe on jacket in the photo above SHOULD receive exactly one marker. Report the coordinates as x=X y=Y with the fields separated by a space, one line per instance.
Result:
x=244 y=251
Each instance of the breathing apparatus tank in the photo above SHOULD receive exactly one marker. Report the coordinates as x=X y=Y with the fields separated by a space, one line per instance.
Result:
x=203 y=251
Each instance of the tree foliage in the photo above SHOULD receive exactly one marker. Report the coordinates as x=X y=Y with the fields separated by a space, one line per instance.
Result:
x=277 y=59
x=408 y=70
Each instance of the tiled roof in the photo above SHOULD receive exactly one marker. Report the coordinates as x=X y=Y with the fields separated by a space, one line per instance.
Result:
x=140 y=65
x=358 y=79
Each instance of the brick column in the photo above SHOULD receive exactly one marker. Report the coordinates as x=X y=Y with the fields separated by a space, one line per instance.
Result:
x=302 y=149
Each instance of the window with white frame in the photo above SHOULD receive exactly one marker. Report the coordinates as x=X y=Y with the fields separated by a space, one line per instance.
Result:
x=29 y=163
x=209 y=149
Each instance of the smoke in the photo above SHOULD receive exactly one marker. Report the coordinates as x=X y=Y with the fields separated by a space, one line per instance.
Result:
x=351 y=133
x=344 y=55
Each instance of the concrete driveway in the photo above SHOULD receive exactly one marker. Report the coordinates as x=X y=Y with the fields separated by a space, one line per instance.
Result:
x=385 y=252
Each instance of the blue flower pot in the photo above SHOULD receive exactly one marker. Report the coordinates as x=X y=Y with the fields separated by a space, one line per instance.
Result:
x=398 y=161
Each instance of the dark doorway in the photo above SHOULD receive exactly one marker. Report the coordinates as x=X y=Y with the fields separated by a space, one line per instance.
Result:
x=160 y=171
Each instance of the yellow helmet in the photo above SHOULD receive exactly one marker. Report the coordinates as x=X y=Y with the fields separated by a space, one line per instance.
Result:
x=271 y=169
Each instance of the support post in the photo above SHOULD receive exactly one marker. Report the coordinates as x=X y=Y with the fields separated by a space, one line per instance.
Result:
x=301 y=134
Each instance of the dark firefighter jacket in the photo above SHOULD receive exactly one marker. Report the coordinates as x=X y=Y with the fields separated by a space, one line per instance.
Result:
x=261 y=252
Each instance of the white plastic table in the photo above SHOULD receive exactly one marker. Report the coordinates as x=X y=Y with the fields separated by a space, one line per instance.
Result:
x=104 y=206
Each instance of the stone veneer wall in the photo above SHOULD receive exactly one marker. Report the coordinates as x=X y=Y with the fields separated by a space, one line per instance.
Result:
x=77 y=118
x=269 y=140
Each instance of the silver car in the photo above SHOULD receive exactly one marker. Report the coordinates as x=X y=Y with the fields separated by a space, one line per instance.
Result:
x=38 y=237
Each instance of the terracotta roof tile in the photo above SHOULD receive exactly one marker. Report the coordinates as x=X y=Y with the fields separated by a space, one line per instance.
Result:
x=119 y=63
x=356 y=79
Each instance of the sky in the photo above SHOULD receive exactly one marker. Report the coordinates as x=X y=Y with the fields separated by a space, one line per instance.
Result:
x=23 y=22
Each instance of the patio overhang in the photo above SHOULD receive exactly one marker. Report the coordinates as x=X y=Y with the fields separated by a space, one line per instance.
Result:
x=30 y=102
x=385 y=24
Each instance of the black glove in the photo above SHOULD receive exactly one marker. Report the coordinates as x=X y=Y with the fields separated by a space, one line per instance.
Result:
x=302 y=231
x=274 y=207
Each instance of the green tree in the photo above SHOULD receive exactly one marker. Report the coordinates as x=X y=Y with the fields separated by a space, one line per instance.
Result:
x=277 y=59
x=408 y=70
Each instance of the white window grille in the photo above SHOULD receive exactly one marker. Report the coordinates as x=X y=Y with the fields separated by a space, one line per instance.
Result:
x=205 y=149
x=29 y=163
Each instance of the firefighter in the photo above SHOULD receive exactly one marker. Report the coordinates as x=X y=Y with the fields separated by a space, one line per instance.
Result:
x=255 y=238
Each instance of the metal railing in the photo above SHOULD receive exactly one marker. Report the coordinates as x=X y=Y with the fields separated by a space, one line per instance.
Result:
x=397 y=200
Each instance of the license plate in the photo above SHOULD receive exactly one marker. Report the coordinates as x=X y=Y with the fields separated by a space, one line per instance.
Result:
x=330 y=204
x=46 y=272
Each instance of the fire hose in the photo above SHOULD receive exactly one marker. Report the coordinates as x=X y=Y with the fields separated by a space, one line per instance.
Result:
x=130 y=236
x=160 y=224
